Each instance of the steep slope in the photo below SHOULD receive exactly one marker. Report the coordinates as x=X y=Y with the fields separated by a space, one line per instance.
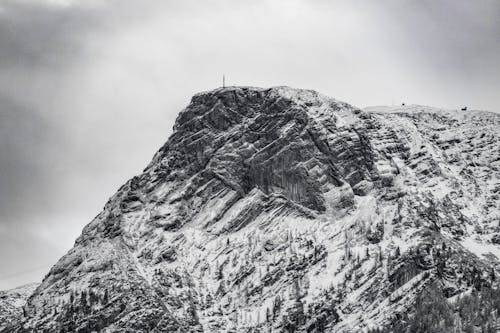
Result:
x=11 y=303
x=285 y=209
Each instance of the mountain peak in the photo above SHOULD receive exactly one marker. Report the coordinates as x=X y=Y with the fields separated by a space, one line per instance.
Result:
x=223 y=108
x=283 y=90
x=301 y=97
x=274 y=136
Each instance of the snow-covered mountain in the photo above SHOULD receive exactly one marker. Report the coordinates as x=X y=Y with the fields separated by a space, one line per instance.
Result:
x=285 y=210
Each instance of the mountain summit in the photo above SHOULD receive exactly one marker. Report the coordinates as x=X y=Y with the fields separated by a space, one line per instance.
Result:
x=284 y=210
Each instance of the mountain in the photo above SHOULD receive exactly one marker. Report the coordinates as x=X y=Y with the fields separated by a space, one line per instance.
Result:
x=285 y=210
x=11 y=303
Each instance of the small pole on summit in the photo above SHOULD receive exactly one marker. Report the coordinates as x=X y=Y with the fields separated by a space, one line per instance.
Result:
x=223 y=81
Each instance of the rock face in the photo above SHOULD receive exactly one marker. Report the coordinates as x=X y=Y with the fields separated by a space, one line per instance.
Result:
x=285 y=210
x=11 y=305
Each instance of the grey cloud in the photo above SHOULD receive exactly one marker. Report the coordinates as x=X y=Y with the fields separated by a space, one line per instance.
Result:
x=37 y=34
x=461 y=36
x=24 y=140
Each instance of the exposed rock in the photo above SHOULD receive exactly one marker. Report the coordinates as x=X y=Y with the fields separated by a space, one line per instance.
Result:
x=11 y=306
x=362 y=188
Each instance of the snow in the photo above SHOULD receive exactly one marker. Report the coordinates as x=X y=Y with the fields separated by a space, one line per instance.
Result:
x=481 y=249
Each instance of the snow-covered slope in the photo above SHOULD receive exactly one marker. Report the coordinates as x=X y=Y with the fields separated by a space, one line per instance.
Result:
x=11 y=304
x=282 y=209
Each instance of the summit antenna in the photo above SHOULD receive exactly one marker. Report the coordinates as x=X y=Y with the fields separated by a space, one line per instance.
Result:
x=223 y=81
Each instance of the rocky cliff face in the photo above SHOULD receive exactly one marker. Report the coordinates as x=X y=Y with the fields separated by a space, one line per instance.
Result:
x=11 y=305
x=286 y=210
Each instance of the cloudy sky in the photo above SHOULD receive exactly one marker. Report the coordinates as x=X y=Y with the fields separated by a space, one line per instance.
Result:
x=89 y=89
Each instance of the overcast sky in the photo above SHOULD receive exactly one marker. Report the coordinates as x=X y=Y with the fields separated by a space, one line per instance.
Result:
x=89 y=89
